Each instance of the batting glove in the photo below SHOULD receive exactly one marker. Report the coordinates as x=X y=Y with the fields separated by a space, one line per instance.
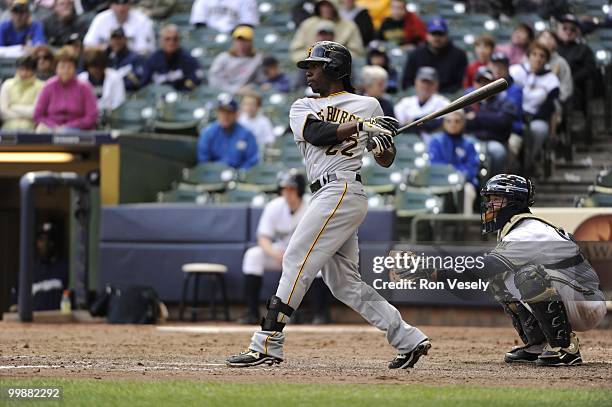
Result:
x=379 y=124
x=380 y=143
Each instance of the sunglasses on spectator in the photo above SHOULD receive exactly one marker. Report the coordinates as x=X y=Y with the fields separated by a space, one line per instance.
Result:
x=570 y=28
x=438 y=33
x=45 y=56
x=173 y=39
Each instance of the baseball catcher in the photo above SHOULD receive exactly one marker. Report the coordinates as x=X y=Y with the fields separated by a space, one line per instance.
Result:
x=537 y=274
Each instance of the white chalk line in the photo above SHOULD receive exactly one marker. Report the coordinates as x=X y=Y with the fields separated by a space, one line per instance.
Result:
x=313 y=329
x=90 y=366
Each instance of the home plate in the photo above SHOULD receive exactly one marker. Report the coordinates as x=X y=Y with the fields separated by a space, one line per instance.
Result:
x=228 y=329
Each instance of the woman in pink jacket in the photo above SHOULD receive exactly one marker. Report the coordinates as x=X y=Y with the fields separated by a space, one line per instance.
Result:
x=65 y=103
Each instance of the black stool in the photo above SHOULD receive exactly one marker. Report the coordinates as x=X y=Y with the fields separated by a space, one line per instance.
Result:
x=216 y=274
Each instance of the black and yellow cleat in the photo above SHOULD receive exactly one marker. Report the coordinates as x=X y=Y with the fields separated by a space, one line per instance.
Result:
x=251 y=358
x=569 y=356
x=406 y=360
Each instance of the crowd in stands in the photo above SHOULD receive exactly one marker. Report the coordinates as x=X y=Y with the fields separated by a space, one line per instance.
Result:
x=79 y=60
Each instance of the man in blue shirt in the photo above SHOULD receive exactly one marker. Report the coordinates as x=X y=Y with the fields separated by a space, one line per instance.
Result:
x=20 y=29
x=226 y=140
x=124 y=60
x=172 y=64
x=490 y=121
x=450 y=147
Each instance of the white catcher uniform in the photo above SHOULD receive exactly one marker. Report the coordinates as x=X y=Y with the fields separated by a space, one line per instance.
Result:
x=326 y=238
x=534 y=242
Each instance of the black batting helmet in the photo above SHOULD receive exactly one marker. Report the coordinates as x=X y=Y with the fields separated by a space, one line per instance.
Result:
x=336 y=59
x=518 y=192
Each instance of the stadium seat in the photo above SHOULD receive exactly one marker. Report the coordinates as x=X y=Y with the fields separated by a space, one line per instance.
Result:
x=262 y=177
x=410 y=202
x=184 y=193
x=134 y=115
x=437 y=179
x=183 y=116
x=380 y=180
x=211 y=177
x=241 y=195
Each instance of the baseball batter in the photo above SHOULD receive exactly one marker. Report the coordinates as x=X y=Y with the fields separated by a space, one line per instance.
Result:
x=332 y=132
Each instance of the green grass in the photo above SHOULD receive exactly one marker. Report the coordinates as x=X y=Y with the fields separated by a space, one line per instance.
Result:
x=87 y=392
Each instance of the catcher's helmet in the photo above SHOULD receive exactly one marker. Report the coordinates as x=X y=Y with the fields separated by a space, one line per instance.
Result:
x=336 y=59
x=519 y=194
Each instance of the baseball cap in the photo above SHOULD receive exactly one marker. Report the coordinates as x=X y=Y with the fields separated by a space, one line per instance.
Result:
x=484 y=73
x=226 y=102
x=117 y=32
x=569 y=18
x=325 y=26
x=244 y=32
x=20 y=6
x=120 y=1
x=437 y=24
x=500 y=57
x=427 y=73
x=74 y=37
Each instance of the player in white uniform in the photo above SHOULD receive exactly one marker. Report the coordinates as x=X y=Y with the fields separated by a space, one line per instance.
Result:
x=539 y=276
x=332 y=132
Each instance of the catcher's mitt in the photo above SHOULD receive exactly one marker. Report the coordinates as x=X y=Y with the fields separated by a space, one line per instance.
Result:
x=410 y=272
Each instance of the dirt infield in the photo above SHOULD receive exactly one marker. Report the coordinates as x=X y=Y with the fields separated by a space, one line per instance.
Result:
x=333 y=354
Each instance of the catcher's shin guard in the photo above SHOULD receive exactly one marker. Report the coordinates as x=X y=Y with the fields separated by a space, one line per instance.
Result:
x=275 y=306
x=525 y=323
x=535 y=287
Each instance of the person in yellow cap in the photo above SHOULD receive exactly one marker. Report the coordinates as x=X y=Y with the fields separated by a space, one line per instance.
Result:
x=238 y=66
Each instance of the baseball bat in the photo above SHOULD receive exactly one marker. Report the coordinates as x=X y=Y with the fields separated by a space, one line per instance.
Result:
x=465 y=100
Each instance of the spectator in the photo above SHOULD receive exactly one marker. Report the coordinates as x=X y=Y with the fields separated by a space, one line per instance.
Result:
x=107 y=83
x=377 y=55
x=360 y=16
x=66 y=104
x=540 y=91
x=18 y=96
x=439 y=52
x=345 y=31
x=224 y=15
x=580 y=58
x=273 y=78
x=490 y=121
x=499 y=66
x=426 y=100
x=172 y=64
x=450 y=147
x=374 y=83
x=137 y=26
x=558 y=65
x=378 y=10
x=519 y=43
x=301 y=10
x=233 y=69
x=157 y=9
x=45 y=62
x=75 y=42
x=62 y=23
x=20 y=32
x=483 y=48
x=227 y=140
x=252 y=119
x=403 y=27
x=125 y=61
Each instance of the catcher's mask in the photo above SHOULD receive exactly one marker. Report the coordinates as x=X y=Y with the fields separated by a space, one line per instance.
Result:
x=504 y=196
